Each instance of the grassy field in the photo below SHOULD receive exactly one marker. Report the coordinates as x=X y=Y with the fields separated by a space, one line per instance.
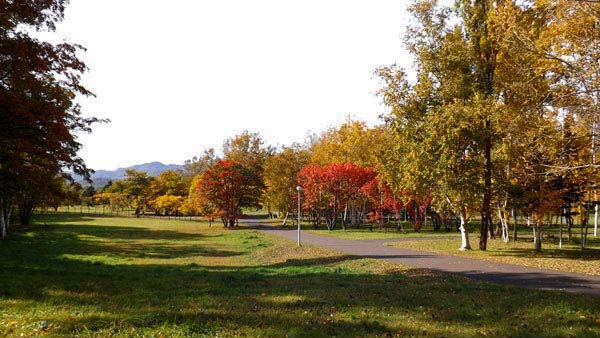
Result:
x=365 y=233
x=127 y=277
x=569 y=258
x=390 y=232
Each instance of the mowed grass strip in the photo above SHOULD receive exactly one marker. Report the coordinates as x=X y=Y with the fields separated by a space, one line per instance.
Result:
x=127 y=277
x=569 y=258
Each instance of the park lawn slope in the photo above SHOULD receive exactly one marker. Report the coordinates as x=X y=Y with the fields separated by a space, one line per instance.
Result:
x=569 y=258
x=127 y=277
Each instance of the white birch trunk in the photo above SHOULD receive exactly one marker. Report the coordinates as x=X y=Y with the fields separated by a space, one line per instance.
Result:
x=502 y=215
x=560 y=236
x=285 y=219
x=400 y=226
x=464 y=232
x=5 y=212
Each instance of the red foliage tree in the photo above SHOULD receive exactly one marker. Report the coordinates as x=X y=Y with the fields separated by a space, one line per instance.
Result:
x=348 y=191
x=225 y=188
x=332 y=188
x=382 y=199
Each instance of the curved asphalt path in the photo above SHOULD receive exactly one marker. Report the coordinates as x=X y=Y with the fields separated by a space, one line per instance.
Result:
x=499 y=273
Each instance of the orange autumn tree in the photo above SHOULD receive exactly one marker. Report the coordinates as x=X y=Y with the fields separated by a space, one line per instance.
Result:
x=225 y=188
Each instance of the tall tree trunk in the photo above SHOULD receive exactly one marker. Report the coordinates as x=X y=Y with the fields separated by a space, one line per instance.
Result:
x=285 y=219
x=560 y=236
x=596 y=220
x=486 y=208
x=436 y=220
x=503 y=225
x=335 y=212
x=464 y=232
x=569 y=227
x=516 y=221
x=400 y=226
x=584 y=226
x=5 y=213
x=3 y=225
x=344 y=216
x=417 y=224
x=380 y=210
x=593 y=151
x=537 y=236
x=569 y=221
x=485 y=53
x=25 y=212
x=483 y=230
x=491 y=227
x=25 y=215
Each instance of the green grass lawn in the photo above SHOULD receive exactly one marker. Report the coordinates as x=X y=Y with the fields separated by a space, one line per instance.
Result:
x=365 y=233
x=127 y=277
x=390 y=231
x=568 y=258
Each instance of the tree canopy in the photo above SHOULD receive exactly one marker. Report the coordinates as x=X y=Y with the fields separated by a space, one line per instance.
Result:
x=39 y=116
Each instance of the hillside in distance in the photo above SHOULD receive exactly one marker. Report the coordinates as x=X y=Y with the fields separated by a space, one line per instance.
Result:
x=101 y=177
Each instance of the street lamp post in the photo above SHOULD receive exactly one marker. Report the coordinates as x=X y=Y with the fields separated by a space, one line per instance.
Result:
x=299 y=189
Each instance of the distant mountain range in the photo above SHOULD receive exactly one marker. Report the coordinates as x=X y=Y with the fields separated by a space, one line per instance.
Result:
x=101 y=177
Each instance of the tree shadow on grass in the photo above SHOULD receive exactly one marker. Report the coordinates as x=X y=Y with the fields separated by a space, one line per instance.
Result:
x=550 y=249
x=319 y=302
x=121 y=232
x=40 y=219
x=301 y=297
x=565 y=253
x=115 y=241
x=338 y=259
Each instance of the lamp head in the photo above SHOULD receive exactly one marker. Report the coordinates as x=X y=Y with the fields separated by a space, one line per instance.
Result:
x=298 y=188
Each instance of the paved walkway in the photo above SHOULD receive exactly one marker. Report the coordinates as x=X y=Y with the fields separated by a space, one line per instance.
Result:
x=499 y=273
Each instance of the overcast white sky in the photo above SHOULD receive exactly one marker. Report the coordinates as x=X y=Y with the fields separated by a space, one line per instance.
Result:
x=179 y=76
